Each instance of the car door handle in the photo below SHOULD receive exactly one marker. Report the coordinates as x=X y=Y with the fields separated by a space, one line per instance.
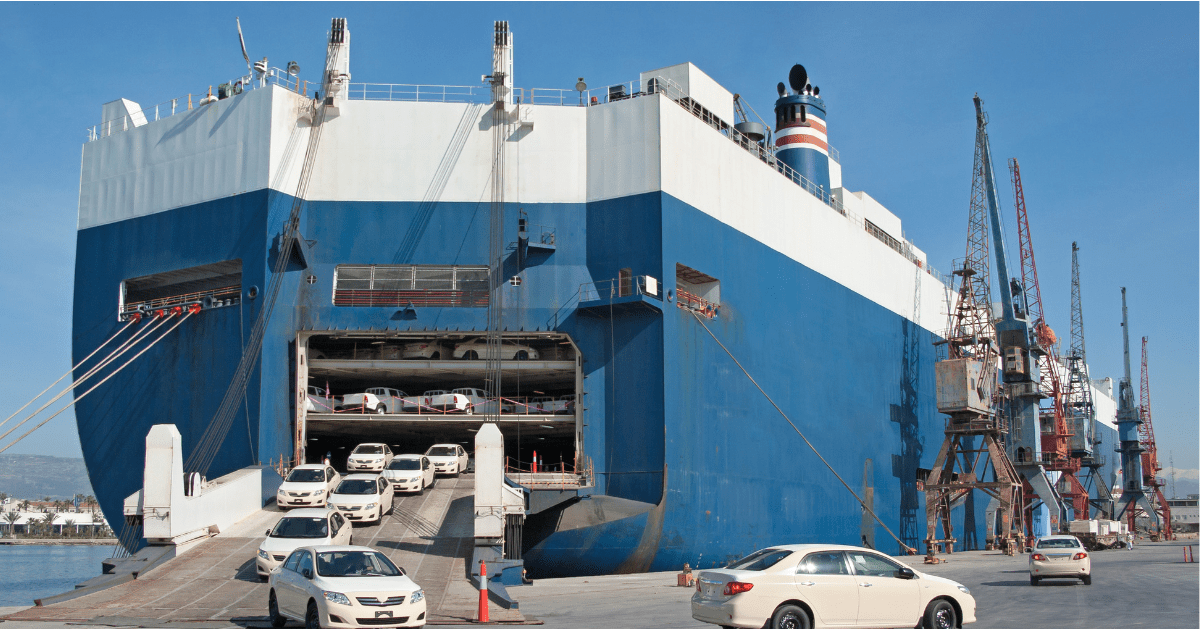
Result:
x=808 y=583
x=864 y=583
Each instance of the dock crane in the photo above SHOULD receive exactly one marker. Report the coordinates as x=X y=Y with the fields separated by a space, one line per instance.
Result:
x=973 y=450
x=1080 y=407
x=1150 y=464
x=1056 y=430
x=1129 y=417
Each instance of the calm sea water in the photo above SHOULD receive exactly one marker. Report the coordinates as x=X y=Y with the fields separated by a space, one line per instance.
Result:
x=28 y=572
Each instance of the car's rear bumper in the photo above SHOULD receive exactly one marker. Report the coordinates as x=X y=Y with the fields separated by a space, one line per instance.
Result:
x=723 y=614
x=1059 y=568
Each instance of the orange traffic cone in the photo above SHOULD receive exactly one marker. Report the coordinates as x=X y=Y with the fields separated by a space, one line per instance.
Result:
x=483 y=597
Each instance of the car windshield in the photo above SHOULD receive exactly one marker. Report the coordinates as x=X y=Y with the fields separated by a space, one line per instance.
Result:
x=306 y=475
x=372 y=449
x=357 y=486
x=1060 y=543
x=760 y=560
x=354 y=564
x=404 y=464
x=442 y=451
x=301 y=527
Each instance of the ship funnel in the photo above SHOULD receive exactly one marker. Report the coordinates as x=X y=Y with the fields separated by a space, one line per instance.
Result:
x=800 y=134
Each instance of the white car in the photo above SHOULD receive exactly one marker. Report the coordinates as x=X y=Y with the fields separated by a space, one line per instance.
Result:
x=307 y=485
x=343 y=587
x=369 y=457
x=1059 y=557
x=374 y=400
x=432 y=350
x=410 y=473
x=318 y=400
x=363 y=498
x=447 y=459
x=478 y=349
x=811 y=586
x=422 y=403
x=467 y=400
x=542 y=404
x=310 y=526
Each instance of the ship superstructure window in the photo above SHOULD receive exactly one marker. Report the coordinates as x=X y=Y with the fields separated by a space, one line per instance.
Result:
x=696 y=290
x=418 y=285
x=217 y=284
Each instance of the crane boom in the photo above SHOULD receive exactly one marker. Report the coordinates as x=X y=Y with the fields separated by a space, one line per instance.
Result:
x=1150 y=464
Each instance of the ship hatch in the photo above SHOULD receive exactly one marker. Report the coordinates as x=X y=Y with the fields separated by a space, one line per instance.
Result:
x=216 y=284
x=536 y=409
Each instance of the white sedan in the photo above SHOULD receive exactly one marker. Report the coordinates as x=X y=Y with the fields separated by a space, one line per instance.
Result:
x=307 y=485
x=364 y=498
x=309 y=526
x=343 y=587
x=447 y=459
x=431 y=350
x=1059 y=557
x=410 y=473
x=318 y=400
x=808 y=586
x=478 y=349
x=370 y=457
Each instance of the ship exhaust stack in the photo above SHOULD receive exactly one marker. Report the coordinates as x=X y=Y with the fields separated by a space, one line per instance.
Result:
x=800 y=134
x=336 y=81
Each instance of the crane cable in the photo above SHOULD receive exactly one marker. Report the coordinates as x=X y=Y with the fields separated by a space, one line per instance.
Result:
x=868 y=510
x=93 y=387
x=69 y=372
x=121 y=349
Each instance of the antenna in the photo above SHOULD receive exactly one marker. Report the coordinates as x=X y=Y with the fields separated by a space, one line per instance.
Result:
x=242 y=41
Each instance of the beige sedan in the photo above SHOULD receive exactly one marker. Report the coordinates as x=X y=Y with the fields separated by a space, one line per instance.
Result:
x=812 y=586
x=1059 y=557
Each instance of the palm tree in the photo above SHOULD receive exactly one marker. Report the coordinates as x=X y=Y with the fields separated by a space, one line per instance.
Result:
x=48 y=522
x=91 y=503
x=12 y=516
x=69 y=523
x=24 y=505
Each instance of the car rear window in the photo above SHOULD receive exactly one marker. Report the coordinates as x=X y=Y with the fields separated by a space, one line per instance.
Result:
x=760 y=560
x=1060 y=543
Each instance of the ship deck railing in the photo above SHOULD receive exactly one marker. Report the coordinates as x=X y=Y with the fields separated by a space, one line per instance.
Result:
x=550 y=97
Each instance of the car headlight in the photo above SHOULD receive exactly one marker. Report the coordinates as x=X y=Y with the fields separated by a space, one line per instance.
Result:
x=964 y=589
x=318 y=493
x=416 y=597
x=369 y=506
x=263 y=554
x=337 y=598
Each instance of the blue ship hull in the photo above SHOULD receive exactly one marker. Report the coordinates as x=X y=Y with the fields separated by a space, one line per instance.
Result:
x=671 y=422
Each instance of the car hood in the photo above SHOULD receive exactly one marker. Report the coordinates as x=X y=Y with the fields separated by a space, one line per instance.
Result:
x=394 y=585
x=442 y=459
x=353 y=499
x=401 y=474
x=284 y=546
x=939 y=580
x=302 y=486
x=366 y=458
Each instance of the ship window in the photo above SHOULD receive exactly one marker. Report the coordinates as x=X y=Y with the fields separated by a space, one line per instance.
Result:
x=399 y=286
x=696 y=290
x=216 y=284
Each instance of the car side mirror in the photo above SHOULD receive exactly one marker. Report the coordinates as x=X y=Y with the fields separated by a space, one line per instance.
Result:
x=268 y=532
x=307 y=573
x=906 y=573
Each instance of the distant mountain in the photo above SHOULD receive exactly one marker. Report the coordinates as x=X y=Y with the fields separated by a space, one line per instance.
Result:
x=40 y=476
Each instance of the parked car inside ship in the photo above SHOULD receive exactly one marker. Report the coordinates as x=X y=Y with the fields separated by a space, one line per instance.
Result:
x=369 y=457
x=478 y=349
x=447 y=459
x=1059 y=557
x=422 y=403
x=307 y=485
x=810 y=586
x=363 y=498
x=431 y=350
x=344 y=587
x=309 y=526
x=467 y=400
x=374 y=400
x=410 y=473
x=318 y=400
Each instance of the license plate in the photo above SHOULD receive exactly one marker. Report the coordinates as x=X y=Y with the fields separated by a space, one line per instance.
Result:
x=383 y=613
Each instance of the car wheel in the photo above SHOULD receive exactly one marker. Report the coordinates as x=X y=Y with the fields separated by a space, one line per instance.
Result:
x=790 y=616
x=381 y=409
x=522 y=355
x=435 y=356
x=1087 y=580
x=312 y=618
x=470 y=410
x=1034 y=581
x=471 y=355
x=277 y=620
x=940 y=614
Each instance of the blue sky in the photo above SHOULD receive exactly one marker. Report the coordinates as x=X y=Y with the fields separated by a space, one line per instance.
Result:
x=1098 y=101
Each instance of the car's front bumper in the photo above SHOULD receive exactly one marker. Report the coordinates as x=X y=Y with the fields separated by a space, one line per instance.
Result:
x=264 y=566
x=358 y=616
x=450 y=468
x=364 y=466
x=361 y=515
x=298 y=502
x=413 y=485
